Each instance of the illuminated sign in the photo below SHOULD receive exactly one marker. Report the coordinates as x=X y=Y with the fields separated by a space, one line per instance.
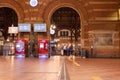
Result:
x=24 y=27
x=20 y=46
x=13 y=30
x=39 y=27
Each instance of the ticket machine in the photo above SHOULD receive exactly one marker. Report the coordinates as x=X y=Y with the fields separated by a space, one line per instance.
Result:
x=20 y=47
x=43 y=47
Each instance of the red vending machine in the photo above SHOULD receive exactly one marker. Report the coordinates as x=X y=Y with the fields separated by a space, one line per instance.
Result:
x=43 y=47
x=20 y=47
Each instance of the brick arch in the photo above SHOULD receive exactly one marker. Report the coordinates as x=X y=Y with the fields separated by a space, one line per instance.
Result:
x=15 y=7
x=74 y=4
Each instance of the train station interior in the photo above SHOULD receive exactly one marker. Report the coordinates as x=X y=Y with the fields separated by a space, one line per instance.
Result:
x=59 y=39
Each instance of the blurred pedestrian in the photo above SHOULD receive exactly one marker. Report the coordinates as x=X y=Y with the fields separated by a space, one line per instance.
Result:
x=65 y=49
x=31 y=45
x=6 y=49
x=62 y=53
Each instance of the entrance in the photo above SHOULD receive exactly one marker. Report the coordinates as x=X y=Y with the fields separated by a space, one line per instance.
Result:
x=8 y=17
x=67 y=31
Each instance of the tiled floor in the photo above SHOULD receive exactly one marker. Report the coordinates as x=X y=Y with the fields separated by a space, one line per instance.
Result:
x=12 y=68
x=94 y=69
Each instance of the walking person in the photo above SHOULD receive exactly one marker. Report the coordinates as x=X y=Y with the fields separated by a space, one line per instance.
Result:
x=71 y=51
x=65 y=49
x=62 y=53
x=31 y=47
x=79 y=51
x=6 y=49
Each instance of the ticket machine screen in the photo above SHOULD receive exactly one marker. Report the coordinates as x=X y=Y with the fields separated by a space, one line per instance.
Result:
x=20 y=47
x=41 y=45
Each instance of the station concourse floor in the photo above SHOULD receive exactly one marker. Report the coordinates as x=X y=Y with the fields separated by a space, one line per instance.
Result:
x=94 y=69
x=14 y=68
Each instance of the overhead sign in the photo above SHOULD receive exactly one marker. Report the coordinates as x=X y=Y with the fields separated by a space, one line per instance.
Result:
x=40 y=27
x=13 y=30
x=24 y=27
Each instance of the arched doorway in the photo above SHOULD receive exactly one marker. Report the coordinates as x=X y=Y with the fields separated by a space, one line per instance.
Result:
x=79 y=8
x=8 y=17
x=68 y=27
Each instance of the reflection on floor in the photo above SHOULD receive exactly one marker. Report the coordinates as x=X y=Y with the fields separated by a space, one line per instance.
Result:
x=94 y=69
x=14 y=68
x=31 y=68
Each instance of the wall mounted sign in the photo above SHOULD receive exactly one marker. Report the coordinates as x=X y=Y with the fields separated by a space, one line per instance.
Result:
x=103 y=39
x=13 y=30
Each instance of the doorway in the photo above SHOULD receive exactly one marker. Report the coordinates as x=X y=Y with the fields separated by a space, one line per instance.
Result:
x=68 y=29
x=8 y=17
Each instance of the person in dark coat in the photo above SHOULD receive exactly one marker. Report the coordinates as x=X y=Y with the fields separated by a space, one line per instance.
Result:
x=31 y=47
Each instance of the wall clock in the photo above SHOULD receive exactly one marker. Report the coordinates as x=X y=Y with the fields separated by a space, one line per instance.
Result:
x=52 y=31
x=33 y=3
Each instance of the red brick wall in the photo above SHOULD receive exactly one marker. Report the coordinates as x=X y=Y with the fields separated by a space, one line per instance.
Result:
x=94 y=15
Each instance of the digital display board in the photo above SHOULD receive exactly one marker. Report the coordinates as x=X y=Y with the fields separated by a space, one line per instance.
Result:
x=39 y=27
x=24 y=27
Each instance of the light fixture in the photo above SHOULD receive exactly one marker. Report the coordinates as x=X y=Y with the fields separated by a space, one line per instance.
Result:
x=53 y=26
x=8 y=40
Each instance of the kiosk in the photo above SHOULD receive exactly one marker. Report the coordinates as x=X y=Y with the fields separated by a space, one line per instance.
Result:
x=20 y=47
x=43 y=48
